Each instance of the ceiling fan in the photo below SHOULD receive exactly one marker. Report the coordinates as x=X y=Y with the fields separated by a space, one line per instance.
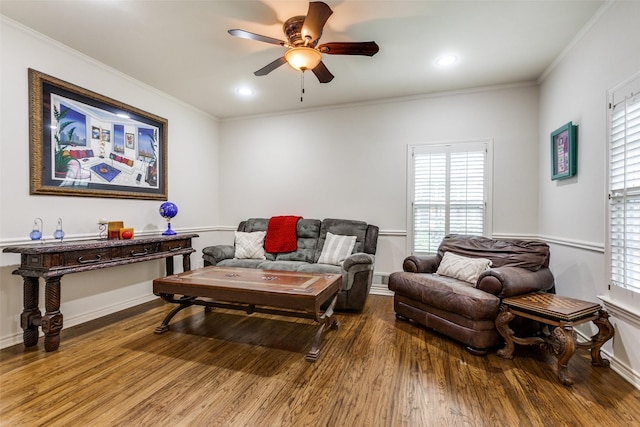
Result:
x=303 y=52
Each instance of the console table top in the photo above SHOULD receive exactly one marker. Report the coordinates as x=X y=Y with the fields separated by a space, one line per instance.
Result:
x=56 y=247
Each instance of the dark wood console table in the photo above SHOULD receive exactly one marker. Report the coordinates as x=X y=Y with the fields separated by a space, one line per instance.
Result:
x=53 y=260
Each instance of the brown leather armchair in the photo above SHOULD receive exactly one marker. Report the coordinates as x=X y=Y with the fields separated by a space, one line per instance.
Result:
x=467 y=311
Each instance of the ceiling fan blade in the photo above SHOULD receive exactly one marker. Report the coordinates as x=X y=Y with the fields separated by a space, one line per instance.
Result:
x=317 y=16
x=270 y=67
x=349 y=48
x=252 y=36
x=322 y=73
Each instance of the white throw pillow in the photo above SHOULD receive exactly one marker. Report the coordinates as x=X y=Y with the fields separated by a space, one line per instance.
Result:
x=462 y=268
x=250 y=245
x=336 y=249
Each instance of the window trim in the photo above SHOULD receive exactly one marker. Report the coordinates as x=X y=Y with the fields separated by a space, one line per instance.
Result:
x=488 y=184
x=615 y=95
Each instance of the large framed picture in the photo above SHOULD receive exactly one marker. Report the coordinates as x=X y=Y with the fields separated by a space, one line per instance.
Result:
x=86 y=144
x=564 y=156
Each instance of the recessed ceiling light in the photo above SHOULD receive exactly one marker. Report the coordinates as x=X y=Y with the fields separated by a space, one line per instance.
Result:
x=446 y=60
x=245 y=91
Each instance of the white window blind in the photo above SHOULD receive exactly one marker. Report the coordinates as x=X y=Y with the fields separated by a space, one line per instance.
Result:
x=624 y=187
x=448 y=192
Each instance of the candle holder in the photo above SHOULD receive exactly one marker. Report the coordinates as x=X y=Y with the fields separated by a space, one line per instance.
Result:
x=102 y=229
x=36 y=233
x=59 y=234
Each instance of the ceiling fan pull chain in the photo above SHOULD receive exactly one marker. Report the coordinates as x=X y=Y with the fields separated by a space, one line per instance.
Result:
x=302 y=86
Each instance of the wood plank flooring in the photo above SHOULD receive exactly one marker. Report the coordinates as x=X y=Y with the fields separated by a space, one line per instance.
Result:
x=227 y=368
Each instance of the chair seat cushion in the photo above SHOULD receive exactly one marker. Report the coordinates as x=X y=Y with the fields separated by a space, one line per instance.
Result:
x=446 y=293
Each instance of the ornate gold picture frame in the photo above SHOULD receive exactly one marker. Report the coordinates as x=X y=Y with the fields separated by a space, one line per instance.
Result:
x=86 y=144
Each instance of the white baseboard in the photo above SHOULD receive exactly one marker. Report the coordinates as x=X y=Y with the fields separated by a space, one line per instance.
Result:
x=379 y=289
x=626 y=372
x=78 y=319
x=380 y=284
x=633 y=377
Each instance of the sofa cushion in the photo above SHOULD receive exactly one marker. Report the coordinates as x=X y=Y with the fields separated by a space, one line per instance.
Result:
x=256 y=224
x=307 y=231
x=529 y=254
x=336 y=249
x=242 y=263
x=249 y=245
x=320 y=268
x=463 y=268
x=281 y=265
x=342 y=227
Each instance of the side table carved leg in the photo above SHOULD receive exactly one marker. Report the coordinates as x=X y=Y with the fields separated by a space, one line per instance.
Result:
x=52 y=319
x=605 y=333
x=565 y=338
x=502 y=325
x=31 y=315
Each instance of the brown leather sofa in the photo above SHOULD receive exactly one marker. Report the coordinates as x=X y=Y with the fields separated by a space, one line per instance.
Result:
x=461 y=310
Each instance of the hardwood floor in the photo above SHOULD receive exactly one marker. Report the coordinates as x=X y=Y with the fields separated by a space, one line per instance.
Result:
x=227 y=368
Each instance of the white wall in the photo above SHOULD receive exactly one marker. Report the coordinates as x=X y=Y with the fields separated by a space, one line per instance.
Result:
x=350 y=162
x=192 y=171
x=573 y=211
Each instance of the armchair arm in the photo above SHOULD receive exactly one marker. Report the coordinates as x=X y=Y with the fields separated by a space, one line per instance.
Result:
x=214 y=254
x=506 y=282
x=421 y=264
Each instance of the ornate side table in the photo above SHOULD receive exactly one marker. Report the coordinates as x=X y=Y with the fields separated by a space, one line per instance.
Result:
x=562 y=313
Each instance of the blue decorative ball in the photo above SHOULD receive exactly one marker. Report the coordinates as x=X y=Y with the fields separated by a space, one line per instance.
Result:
x=168 y=210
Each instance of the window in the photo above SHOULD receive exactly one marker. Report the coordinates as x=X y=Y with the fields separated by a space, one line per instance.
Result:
x=448 y=192
x=624 y=186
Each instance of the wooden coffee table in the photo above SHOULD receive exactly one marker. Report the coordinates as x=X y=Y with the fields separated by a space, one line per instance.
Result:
x=563 y=314
x=251 y=290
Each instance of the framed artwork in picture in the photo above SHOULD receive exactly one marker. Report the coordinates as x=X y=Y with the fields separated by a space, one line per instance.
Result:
x=564 y=156
x=86 y=144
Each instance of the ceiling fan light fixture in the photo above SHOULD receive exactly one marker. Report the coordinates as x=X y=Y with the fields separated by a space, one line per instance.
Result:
x=303 y=58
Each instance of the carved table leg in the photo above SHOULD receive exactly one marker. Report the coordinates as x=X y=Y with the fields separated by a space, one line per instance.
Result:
x=605 y=333
x=325 y=320
x=31 y=316
x=52 y=319
x=184 y=302
x=565 y=338
x=186 y=262
x=502 y=325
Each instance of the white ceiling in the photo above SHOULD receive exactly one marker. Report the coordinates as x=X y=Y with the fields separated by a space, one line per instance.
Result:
x=182 y=47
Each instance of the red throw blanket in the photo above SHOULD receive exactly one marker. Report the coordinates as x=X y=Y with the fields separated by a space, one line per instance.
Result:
x=281 y=234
